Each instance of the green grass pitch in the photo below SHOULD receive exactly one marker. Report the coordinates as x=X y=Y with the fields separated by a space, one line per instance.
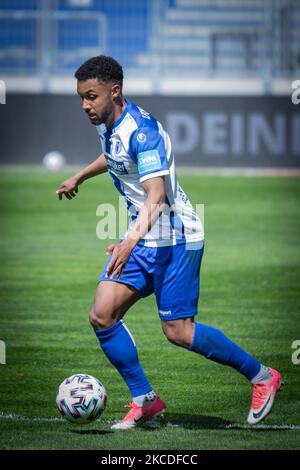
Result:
x=50 y=262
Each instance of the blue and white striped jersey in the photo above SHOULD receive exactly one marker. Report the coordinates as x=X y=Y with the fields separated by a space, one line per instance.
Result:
x=137 y=148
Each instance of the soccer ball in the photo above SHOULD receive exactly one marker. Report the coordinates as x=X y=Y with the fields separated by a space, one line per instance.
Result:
x=54 y=161
x=81 y=398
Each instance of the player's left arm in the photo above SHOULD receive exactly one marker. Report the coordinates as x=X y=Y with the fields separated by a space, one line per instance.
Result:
x=149 y=213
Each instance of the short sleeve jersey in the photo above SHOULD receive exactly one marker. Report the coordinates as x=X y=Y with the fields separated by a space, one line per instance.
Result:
x=136 y=149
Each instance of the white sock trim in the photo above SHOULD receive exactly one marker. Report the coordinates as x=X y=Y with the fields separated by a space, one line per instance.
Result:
x=128 y=332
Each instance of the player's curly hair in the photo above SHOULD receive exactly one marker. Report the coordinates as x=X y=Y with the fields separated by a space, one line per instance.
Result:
x=104 y=68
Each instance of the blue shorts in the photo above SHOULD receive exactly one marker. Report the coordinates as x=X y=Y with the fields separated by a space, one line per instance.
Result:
x=171 y=272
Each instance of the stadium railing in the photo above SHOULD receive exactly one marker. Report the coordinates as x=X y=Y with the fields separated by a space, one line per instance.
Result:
x=155 y=40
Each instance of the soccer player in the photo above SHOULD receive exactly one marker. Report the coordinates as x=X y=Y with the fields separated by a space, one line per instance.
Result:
x=160 y=253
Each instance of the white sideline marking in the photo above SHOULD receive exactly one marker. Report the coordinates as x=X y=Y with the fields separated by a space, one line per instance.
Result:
x=14 y=417
x=284 y=427
x=275 y=427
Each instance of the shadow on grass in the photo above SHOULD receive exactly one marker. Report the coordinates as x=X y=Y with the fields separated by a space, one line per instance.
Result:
x=212 y=422
x=96 y=432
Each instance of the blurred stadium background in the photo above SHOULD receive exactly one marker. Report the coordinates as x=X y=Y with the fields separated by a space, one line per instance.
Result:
x=217 y=73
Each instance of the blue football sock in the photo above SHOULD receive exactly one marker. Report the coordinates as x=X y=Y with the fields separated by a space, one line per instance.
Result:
x=214 y=345
x=119 y=347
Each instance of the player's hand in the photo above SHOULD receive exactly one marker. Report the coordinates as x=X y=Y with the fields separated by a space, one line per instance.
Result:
x=120 y=254
x=69 y=188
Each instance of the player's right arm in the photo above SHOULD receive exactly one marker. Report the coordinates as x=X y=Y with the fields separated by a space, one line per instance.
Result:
x=69 y=187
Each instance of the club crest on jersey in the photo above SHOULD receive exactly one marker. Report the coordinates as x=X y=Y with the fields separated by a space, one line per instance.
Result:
x=116 y=146
x=141 y=137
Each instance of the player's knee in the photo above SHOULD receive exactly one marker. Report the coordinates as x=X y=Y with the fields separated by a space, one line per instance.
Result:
x=176 y=333
x=172 y=333
x=173 y=338
x=100 y=318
